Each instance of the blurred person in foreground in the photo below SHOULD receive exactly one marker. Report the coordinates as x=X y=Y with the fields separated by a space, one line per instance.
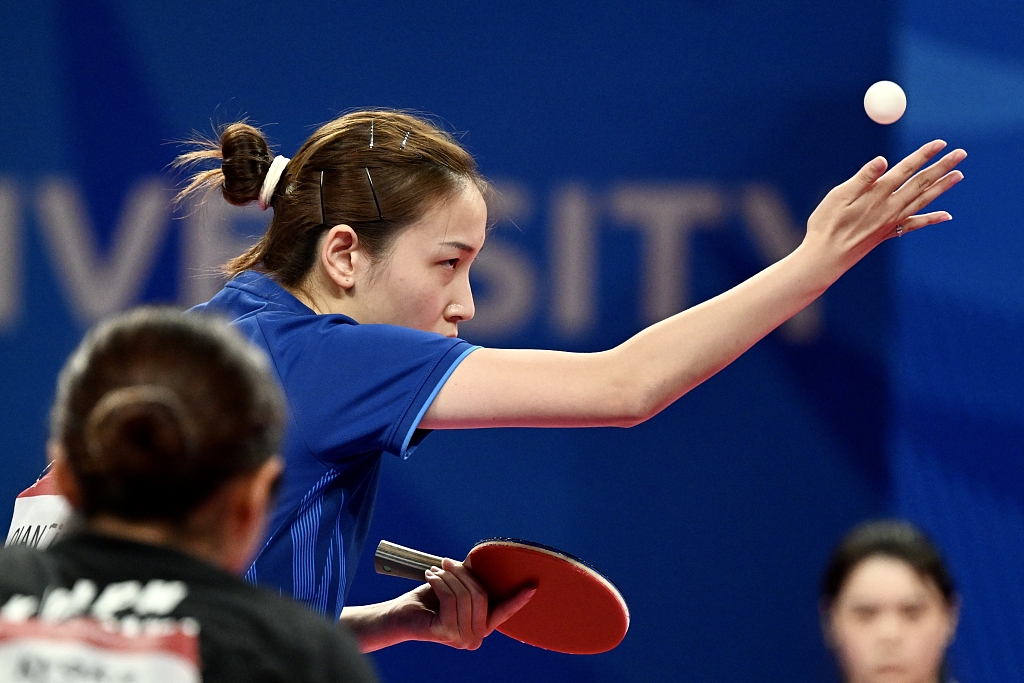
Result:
x=889 y=606
x=164 y=435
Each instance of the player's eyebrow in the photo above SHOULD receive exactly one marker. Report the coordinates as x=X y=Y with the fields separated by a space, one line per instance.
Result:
x=461 y=246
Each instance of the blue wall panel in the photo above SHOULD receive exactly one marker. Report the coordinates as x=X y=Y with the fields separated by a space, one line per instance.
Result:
x=578 y=111
x=957 y=359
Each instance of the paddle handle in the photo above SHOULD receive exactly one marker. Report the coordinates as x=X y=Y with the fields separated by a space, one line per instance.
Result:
x=397 y=560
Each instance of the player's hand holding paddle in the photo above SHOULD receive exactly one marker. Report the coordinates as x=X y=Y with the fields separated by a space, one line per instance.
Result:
x=875 y=205
x=451 y=608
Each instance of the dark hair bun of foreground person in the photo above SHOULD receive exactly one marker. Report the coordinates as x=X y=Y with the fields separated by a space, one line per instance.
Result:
x=155 y=410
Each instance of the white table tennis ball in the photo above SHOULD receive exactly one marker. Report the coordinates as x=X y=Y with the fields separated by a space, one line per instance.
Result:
x=885 y=102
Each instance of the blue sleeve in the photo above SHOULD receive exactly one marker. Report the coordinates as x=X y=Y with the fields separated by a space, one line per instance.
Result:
x=353 y=389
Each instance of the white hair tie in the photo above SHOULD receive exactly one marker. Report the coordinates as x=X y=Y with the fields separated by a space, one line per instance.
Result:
x=270 y=182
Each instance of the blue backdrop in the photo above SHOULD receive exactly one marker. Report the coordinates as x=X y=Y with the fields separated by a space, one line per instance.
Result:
x=649 y=157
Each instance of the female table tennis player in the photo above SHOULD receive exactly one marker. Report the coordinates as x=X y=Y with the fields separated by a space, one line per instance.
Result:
x=357 y=290
x=163 y=438
x=888 y=606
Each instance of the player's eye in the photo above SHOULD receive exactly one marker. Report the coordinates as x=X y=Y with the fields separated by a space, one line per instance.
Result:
x=913 y=612
x=450 y=263
x=864 y=613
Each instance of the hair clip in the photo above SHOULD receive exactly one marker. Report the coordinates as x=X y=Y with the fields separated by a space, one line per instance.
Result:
x=323 y=213
x=371 y=133
x=323 y=218
x=271 y=180
x=376 y=203
x=406 y=138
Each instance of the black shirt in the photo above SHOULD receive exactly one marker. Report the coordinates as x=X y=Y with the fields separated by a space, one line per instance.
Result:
x=245 y=633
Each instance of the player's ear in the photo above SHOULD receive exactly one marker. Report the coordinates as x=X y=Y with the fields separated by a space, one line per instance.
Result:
x=63 y=478
x=953 y=617
x=250 y=501
x=265 y=484
x=342 y=256
x=827 y=628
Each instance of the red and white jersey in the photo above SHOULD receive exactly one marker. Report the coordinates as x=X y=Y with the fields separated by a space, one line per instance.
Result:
x=40 y=514
x=88 y=650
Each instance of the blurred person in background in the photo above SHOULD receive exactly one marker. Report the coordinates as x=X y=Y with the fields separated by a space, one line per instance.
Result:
x=889 y=606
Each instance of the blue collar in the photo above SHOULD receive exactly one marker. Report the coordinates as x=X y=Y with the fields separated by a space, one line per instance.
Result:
x=266 y=288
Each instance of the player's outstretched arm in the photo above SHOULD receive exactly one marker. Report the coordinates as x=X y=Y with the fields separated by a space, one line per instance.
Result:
x=639 y=378
x=451 y=609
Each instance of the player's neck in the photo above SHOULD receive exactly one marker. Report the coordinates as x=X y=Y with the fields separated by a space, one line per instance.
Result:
x=326 y=297
x=317 y=296
x=159 y=534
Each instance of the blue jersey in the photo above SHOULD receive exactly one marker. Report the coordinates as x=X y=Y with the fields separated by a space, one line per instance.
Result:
x=354 y=392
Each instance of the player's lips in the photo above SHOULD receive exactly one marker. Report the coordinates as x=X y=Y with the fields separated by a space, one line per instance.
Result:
x=889 y=670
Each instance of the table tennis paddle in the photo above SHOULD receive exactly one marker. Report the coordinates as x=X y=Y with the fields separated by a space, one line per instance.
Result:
x=576 y=610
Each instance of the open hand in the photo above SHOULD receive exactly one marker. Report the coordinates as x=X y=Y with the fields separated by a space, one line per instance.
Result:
x=875 y=205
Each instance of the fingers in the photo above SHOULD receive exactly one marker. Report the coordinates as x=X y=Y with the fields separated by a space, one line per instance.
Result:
x=500 y=613
x=463 y=615
x=871 y=172
x=925 y=191
x=477 y=607
x=917 y=222
x=926 y=178
x=462 y=611
x=904 y=170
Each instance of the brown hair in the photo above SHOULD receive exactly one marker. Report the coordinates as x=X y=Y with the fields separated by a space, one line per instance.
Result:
x=886 y=538
x=382 y=170
x=155 y=410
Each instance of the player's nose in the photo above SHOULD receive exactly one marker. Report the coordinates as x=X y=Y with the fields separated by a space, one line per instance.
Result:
x=459 y=312
x=462 y=308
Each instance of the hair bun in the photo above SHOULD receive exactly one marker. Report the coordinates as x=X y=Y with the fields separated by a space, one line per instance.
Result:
x=142 y=430
x=246 y=160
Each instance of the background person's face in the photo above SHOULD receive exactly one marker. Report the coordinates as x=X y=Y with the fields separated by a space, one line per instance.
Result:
x=890 y=625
